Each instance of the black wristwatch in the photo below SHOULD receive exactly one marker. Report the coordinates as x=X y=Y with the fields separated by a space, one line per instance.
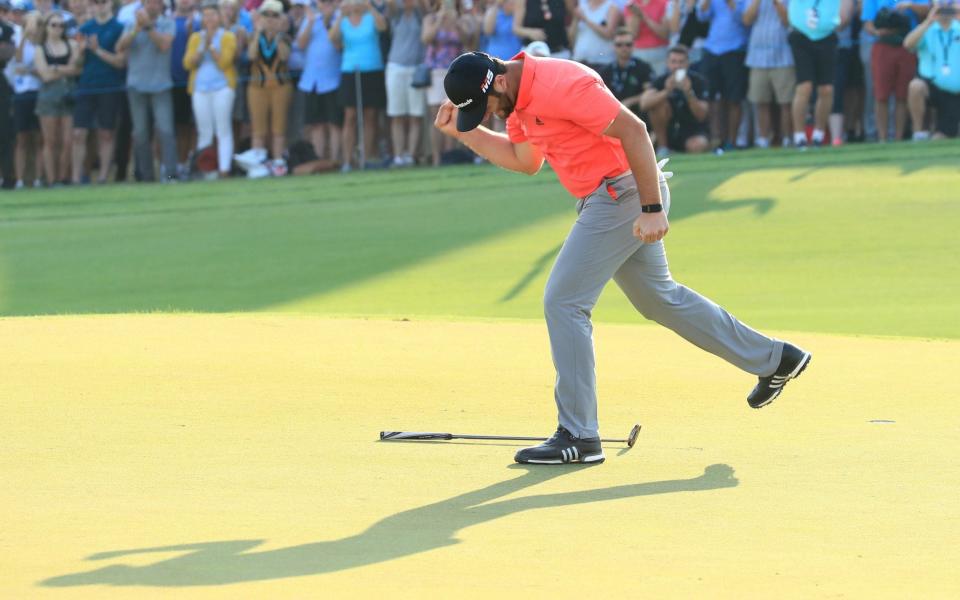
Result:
x=651 y=208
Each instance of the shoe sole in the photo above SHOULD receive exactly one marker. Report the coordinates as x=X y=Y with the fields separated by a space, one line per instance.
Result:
x=807 y=357
x=592 y=459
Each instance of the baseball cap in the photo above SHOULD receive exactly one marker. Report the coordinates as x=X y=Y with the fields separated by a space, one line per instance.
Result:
x=537 y=48
x=467 y=83
x=274 y=6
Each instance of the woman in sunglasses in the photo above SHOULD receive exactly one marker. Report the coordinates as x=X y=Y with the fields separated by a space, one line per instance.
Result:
x=269 y=90
x=57 y=64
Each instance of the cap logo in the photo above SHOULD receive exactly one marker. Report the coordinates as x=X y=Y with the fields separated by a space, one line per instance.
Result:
x=464 y=103
x=487 y=81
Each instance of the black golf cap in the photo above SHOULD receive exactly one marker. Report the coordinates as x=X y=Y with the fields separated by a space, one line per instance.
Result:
x=468 y=84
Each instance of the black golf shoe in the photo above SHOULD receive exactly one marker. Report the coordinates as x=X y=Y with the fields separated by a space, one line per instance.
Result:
x=562 y=448
x=792 y=363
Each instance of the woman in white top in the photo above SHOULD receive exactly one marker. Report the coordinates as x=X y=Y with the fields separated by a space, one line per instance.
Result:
x=21 y=72
x=592 y=30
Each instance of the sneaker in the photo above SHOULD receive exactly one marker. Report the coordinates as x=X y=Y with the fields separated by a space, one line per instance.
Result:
x=792 y=363
x=562 y=448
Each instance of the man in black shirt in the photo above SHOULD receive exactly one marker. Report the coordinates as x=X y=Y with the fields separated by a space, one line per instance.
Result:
x=627 y=77
x=678 y=107
x=6 y=98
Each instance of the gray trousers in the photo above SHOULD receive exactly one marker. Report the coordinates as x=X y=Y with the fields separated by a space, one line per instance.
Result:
x=600 y=247
x=159 y=105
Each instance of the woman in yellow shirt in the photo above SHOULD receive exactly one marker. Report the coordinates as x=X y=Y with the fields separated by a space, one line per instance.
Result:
x=213 y=78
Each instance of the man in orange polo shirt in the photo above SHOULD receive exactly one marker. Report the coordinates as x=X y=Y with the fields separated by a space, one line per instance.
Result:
x=561 y=112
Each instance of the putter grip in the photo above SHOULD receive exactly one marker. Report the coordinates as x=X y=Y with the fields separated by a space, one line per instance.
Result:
x=414 y=435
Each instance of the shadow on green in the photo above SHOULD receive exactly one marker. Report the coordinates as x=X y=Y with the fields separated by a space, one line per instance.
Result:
x=403 y=534
x=242 y=247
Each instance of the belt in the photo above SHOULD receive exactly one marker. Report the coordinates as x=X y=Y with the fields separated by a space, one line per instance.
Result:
x=608 y=183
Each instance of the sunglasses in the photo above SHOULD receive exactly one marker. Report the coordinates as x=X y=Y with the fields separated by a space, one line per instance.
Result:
x=270 y=14
x=623 y=44
x=101 y=1
x=55 y=25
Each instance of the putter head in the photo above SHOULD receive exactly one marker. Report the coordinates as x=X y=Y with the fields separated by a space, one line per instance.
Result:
x=632 y=438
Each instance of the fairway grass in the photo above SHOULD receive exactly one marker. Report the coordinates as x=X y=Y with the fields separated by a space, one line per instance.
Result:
x=860 y=240
x=235 y=456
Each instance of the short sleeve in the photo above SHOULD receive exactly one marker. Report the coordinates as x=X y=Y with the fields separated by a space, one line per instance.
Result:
x=590 y=104
x=514 y=130
x=869 y=11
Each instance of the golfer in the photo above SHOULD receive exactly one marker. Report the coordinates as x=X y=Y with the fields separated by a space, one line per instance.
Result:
x=560 y=111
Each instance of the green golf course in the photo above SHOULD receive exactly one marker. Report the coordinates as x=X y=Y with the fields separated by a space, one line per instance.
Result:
x=195 y=376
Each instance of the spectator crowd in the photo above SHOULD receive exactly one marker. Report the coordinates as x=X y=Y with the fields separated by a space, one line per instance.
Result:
x=165 y=92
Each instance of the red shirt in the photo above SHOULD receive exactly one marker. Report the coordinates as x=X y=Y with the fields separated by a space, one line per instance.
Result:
x=563 y=108
x=646 y=38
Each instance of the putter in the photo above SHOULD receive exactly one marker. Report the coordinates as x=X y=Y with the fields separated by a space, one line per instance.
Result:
x=392 y=436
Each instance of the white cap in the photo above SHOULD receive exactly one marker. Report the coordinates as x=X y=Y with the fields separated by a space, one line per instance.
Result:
x=537 y=49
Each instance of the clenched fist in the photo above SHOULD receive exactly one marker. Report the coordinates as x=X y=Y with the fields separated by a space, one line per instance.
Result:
x=446 y=120
x=651 y=227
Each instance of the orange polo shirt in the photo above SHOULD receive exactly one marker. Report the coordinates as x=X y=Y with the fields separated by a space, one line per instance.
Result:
x=563 y=108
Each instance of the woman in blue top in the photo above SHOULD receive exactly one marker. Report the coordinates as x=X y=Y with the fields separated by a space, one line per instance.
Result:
x=502 y=42
x=357 y=32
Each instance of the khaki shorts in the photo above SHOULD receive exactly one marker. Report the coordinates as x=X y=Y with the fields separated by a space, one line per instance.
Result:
x=402 y=98
x=767 y=84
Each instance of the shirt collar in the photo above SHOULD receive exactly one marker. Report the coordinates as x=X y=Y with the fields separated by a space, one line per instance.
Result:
x=526 y=79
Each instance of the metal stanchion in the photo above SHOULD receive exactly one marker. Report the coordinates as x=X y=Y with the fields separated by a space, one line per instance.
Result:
x=358 y=87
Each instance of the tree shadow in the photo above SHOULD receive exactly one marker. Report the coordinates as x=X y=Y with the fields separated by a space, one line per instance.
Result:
x=404 y=534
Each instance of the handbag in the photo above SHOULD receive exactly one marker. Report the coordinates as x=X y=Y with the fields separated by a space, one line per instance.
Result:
x=421 y=76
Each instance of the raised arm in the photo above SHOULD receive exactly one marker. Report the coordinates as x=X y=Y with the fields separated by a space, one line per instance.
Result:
x=532 y=33
x=490 y=18
x=379 y=20
x=914 y=37
x=495 y=147
x=750 y=12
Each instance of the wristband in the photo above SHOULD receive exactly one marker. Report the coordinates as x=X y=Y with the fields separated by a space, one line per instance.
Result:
x=651 y=208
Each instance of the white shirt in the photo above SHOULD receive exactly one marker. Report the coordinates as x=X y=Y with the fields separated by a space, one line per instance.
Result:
x=22 y=83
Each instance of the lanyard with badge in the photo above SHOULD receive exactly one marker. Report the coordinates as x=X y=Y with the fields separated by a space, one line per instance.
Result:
x=813 y=16
x=945 y=45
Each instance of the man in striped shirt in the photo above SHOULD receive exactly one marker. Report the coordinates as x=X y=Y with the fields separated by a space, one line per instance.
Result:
x=772 y=75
